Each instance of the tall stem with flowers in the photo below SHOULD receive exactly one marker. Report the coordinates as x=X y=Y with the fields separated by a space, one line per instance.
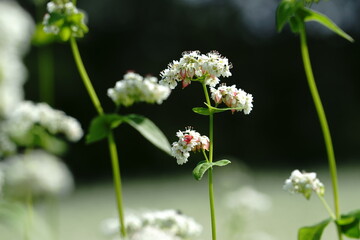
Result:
x=66 y=22
x=205 y=69
x=296 y=13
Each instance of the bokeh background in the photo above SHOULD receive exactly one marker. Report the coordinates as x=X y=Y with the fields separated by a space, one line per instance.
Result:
x=281 y=133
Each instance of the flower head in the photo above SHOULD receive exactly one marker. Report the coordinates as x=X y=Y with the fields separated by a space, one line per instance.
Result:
x=189 y=140
x=134 y=88
x=304 y=183
x=196 y=66
x=233 y=98
x=64 y=20
x=37 y=173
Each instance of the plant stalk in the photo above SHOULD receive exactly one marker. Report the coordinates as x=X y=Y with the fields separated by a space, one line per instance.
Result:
x=111 y=141
x=210 y=172
x=323 y=122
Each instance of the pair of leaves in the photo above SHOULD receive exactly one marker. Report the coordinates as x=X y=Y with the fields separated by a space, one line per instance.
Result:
x=348 y=225
x=203 y=166
x=102 y=126
x=295 y=13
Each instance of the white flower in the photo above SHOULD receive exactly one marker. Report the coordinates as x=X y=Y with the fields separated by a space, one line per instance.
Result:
x=37 y=173
x=249 y=199
x=233 y=98
x=196 y=66
x=16 y=28
x=189 y=140
x=304 y=183
x=134 y=88
x=7 y=147
x=28 y=114
x=159 y=225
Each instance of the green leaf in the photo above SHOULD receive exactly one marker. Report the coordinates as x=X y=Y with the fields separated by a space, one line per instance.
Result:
x=200 y=169
x=201 y=111
x=203 y=166
x=313 y=232
x=101 y=126
x=349 y=224
x=284 y=12
x=149 y=130
x=311 y=15
x=221 y=163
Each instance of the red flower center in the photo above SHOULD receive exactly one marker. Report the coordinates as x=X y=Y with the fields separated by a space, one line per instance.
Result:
x=187 y=138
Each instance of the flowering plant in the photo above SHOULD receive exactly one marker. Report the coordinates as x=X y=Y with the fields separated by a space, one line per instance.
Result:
x=205 y=69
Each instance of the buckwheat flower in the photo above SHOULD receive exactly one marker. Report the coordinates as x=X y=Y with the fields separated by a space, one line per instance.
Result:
x=196 y=66
x=233 y=98
x=135 y=88
x=27 y=115
x=37 y=173
x=64 y=19
x=7 y=147
x=189 y=140
x=304 y=183
x=152 y=233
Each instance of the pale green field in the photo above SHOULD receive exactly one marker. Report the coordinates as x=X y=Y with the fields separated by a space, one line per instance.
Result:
x=82 y=212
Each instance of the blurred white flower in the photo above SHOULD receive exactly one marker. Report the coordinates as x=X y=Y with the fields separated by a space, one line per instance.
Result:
x=28 y=114
x=304 y=183
x=247 y=198
x=194 y=66
x=7 y=146
x=16 y=28
x=189 y=140
x=37 y=173
x=233 y=98
x=159 y=225
x=134 y=88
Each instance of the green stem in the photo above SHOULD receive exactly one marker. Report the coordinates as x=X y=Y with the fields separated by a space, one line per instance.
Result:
x=46 y=75
x=85 y=76
x=111 y=141
x=322 y=119
x=327 y=207
x=210 y=172
x=117 y=181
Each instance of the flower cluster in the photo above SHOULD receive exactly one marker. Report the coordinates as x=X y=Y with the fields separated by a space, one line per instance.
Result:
x=304 y=183
x=135 y=88
x=28 y=114
x=37 y=173
x=196 y=66
x=64 y=20
x=16 y=29
x=233 y=98
x=164 y=225
x=189 y=140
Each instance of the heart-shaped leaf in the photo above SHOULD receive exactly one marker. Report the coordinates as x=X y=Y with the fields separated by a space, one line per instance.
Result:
x=101 y=126
x=313 y=232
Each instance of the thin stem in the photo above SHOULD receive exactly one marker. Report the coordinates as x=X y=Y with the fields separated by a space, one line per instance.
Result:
x=327 y=207
x=210 y=172
x=322 y=119
x=111 y=141
x=46 y=75
x=117 y=181
x=85 y=76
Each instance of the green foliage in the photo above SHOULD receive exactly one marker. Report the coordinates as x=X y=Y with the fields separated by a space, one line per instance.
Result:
x=149 y=130
x=203 y=166
x=349 y=224
x=313 y=232
x=101 y=127
x=211 y=110
x=296 y=13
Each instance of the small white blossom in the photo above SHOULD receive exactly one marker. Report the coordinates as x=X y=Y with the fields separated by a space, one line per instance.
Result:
x=134 y=88
x=37 y=173
x=304 y=183
x=28 y=114
x=195 y=66
x=189 y=140
x=233 y=98
x=157 y=225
